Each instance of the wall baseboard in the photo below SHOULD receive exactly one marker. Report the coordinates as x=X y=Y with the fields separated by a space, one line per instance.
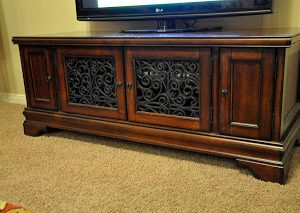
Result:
x=13 y=98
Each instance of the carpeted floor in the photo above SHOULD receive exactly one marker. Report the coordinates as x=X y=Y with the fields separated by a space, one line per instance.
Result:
x=72 y=172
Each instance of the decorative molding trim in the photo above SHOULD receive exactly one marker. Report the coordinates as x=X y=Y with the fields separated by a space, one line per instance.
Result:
x=13 y=98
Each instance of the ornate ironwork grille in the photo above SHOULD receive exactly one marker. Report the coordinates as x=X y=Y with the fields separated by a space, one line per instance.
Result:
x=91 y=80
x=167 y=86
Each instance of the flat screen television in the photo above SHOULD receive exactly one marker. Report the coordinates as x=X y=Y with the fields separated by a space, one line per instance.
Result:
x=118 y=10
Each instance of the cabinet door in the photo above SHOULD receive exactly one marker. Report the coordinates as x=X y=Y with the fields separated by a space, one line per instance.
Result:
x=38 y=77
x=92 y=81
x=246 y=96
x=169 y=86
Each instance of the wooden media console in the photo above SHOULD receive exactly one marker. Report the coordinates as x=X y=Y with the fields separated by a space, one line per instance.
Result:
x=232 y=93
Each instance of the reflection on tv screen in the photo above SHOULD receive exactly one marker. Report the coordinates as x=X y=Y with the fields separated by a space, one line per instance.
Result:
x=122 y=3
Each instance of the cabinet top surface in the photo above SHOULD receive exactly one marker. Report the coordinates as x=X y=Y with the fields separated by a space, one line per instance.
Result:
x=260 y=37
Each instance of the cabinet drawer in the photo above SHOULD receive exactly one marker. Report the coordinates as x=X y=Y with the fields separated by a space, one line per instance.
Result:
x=246 y=92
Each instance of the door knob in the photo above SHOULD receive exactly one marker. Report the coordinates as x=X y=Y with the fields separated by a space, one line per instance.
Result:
x=48 y=78
x=119 y=84
x=224 y=93
x=129 y=85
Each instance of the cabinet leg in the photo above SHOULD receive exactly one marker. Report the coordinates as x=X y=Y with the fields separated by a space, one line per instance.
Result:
x=34 y=129
x=265 y=172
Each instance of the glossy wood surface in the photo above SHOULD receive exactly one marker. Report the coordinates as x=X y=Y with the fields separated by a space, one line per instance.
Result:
x=39 y=86
x=240 y=85
x=264 y=171
x=134 y=132
x=247 y=77
x=267 y=162
x=278 y=93
x=238 y=37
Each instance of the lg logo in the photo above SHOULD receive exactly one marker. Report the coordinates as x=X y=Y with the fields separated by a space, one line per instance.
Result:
x=159 y=10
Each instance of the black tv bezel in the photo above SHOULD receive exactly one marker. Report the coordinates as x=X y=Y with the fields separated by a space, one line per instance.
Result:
x=180 y=11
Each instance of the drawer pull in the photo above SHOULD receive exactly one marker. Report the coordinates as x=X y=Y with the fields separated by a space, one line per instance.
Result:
x=224 y=93
x=48 y=78
x=129 y=85
x=118 y=84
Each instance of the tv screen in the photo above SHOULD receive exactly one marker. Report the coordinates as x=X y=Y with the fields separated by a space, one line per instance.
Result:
x=125 y=3
x=166 y=9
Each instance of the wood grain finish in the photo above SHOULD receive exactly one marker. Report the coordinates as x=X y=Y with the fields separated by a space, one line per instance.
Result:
x=39 y=79
x=259 y=42
x=279 y=72
x=247 y=77
x=290 y=83
x=267 y=162
x=138 y=133
x=215 y=91
x=34 y=129
x=239 y=82
x=265 y=172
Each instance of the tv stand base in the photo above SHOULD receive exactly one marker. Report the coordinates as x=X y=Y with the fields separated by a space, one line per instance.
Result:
x=34 y=128
x=265 y=172
x=218 y=93
x=267 y=162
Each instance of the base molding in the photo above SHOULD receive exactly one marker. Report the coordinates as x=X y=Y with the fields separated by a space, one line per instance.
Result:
x=268 y=162
x=34 y=128
x=13 y=98
x=265 y=172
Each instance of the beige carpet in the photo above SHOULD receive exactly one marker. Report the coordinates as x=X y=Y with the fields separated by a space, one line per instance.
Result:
x=72 y=172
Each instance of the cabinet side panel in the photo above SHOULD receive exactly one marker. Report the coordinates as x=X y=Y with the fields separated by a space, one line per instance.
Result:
x=290 y=87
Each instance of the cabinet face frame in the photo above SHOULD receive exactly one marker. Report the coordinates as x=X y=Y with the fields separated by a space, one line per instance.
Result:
x=39 y=77
x=201 y=55
x=93 y=110
x=246 y=109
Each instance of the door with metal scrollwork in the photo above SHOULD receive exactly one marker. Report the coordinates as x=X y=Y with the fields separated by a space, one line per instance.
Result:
x=169 y=86
x=92 y=81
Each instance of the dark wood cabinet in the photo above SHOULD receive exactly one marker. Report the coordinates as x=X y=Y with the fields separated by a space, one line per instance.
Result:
x=228 y=93
x=39 y=79
x=247 y=92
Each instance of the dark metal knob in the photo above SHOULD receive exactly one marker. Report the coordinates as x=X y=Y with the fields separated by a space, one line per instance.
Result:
x=118 y=84
x=224 y=93
x=48 y=78
x=129 y=85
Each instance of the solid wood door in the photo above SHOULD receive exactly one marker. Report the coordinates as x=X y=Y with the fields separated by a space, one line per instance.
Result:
x=246 y=92
x=169 y=86
x=38 y=77
x=92 y=81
